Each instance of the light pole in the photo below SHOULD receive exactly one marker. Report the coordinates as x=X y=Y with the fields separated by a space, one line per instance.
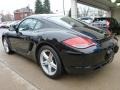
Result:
x=63 y=7
x=74 y=9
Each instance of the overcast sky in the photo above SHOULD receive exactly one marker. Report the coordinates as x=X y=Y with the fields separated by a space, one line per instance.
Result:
x=11 y=5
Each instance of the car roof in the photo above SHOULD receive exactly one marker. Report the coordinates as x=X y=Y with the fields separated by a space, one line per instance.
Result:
x=44 y=16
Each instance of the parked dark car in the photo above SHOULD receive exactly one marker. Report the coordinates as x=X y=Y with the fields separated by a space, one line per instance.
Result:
x=87 y=20
x=59 y=43
x=107 y=23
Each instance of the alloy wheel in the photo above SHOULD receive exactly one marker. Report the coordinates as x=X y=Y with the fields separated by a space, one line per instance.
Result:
x=48 y=62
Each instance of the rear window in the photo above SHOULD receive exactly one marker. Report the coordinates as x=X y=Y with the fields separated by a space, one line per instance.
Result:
x=66 y=22
x=72 y=23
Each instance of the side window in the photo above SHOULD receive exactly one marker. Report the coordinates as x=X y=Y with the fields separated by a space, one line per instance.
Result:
x=27 y=24
x=38 y=25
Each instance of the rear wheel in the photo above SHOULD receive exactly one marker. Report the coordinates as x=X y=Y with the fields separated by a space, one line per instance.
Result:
x=6 y=46
x=50 y=62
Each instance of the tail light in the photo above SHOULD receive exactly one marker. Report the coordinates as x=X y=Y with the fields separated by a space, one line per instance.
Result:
x=79 y=42
x=108 y=23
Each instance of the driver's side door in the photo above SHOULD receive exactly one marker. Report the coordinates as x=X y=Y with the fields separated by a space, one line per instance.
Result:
x=21 y=41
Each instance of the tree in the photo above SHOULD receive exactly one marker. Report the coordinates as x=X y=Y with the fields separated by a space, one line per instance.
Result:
x=101 y=13
x=46 y=6
x=7 y=17
x=38 y=7
x=69 y=13
x=85 y=11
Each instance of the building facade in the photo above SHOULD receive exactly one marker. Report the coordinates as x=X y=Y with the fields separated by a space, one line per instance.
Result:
x=19 y=14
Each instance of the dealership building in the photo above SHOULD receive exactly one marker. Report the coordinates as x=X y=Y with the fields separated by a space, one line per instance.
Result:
x=111 y=6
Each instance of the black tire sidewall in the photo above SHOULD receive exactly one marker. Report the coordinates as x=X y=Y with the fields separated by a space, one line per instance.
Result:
x=8 y=45
x=57 y=59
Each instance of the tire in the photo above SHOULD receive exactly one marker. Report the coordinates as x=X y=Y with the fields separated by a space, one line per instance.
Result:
x=49 y=62
x=6 y=46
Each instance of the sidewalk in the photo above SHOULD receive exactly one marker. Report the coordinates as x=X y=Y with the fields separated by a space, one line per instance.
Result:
x=10 y=80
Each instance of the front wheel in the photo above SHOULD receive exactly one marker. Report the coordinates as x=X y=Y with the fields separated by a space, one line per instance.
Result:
x=6 y=46
x=50 y=62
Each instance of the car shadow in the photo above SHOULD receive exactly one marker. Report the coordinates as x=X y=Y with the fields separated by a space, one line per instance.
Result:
x=81 y=75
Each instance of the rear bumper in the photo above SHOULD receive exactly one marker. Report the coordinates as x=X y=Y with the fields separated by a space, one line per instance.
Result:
x=75 y=63
x=86 y=68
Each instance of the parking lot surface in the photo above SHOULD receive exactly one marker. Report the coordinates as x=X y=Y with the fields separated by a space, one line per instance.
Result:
x=19 y=73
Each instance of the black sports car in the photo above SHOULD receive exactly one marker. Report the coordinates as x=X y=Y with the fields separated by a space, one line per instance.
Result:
x=59 y=43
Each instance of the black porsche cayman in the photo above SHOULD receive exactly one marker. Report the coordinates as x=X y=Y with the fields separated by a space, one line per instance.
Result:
x=60 y=43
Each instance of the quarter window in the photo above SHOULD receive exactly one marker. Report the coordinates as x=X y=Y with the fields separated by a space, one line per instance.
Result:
x=38 y=25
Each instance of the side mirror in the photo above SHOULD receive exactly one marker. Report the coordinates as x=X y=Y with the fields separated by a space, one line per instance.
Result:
x=13 y=28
